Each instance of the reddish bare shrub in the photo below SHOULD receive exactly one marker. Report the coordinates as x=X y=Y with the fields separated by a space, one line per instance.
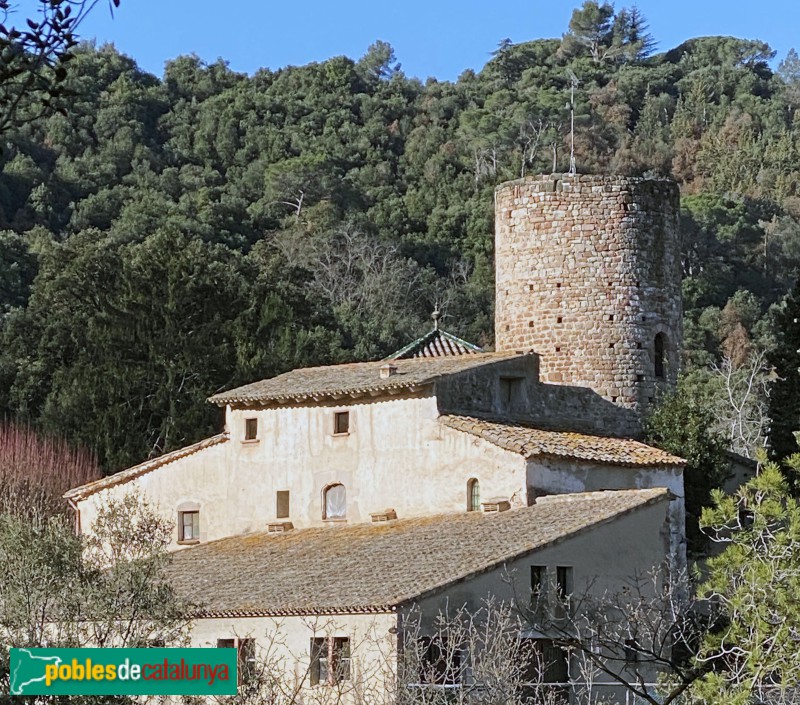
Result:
x=35 y=471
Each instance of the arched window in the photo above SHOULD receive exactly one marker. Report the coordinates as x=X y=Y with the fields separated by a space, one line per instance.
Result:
x=473 y=495
x=659 y=354
x=334 y=502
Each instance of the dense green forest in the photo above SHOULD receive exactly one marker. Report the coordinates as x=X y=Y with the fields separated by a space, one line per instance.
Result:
x=166 y=238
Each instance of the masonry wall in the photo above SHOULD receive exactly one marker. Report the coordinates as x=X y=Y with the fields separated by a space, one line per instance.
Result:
x=587 y=275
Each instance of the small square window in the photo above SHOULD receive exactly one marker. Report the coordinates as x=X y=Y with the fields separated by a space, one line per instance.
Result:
x=189 y=526
x=282 y=502
x=251 y=429
x=341 y=423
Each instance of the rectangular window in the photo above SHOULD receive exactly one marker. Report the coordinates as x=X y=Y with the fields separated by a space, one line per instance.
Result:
x=319 y=660
x=246 y=659
x=189 y=526
x=631 y=651
x=511 y=392
x=440 y=663
x=330 y=660
x=251 y=429
x=341 y=423
x=245 y=656
x=545 y=662
x=282 y=509
x=538 y=586
x=564 y=581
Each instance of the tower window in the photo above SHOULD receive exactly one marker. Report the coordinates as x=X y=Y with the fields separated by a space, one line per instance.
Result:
x=473 y=495
x=659 y=354
x=334 y=502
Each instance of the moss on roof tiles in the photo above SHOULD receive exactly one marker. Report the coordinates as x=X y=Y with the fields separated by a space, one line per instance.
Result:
x=378 y=567
x=355 y=378
x=531 y=442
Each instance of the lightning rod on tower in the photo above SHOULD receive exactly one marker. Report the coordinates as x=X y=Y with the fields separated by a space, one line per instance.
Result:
x=574 y=81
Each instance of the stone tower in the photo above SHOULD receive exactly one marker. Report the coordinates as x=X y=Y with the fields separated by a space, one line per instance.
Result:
x=588 y=276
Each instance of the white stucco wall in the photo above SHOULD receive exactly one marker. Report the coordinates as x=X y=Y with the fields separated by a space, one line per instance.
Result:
x=283 y=645
x=396 y=455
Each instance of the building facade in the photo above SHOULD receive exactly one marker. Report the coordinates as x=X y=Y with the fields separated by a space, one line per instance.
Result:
x=339 y=501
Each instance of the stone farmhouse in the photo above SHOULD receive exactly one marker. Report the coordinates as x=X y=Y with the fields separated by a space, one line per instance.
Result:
x=339 y=500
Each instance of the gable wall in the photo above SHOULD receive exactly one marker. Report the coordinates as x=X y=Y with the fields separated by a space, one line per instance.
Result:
x=603 y=559
x=561 y=476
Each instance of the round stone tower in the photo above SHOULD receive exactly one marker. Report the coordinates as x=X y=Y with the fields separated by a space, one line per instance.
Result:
x=588 y=276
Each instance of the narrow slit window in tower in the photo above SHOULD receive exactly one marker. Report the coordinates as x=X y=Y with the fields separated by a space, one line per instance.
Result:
x=659 y=351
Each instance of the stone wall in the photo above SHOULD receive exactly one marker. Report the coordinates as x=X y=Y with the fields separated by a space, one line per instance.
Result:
x=588 y=275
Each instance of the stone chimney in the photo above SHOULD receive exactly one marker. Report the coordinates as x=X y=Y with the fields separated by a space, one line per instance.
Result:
x=388 y=370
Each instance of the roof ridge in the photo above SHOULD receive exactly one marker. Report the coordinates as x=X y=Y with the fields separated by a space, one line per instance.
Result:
x=356 y=378
x=659 y=495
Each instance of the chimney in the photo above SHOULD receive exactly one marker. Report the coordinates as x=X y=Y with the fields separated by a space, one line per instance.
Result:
x=385 y=515
x=388 y=370
x=279 y=527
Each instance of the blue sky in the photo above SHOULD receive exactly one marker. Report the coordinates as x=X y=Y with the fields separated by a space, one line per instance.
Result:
x=430 y=38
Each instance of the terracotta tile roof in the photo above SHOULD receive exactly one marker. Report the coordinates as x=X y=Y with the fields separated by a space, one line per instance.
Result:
x=337 y=381
x=376 y=567
x=532 y=442
x=78 y=493
x=437 y=343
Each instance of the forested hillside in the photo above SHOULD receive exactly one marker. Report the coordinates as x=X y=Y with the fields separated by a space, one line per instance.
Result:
x=170 y=237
